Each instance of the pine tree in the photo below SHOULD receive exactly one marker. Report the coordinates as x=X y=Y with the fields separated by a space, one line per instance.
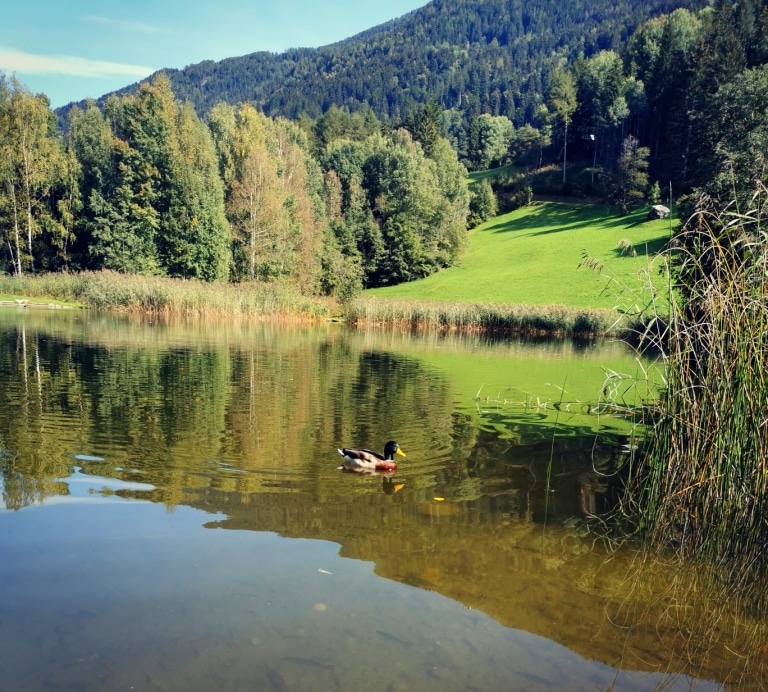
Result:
x=630 y=179
x=562 y=100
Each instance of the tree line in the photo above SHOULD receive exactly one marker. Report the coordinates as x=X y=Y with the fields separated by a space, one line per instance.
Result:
x=144 y=185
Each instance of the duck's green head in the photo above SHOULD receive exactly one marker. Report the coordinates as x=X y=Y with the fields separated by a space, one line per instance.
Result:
x=392 y=448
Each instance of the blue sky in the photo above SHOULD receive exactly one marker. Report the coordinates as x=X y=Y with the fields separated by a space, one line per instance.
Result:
x=75 y=49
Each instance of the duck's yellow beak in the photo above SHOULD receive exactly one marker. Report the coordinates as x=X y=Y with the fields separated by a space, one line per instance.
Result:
x=400 y=452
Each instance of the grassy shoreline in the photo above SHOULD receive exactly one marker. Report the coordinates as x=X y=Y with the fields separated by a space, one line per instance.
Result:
x=176 y=297
x=525 y=272
x=130 y=293
x=425 y=315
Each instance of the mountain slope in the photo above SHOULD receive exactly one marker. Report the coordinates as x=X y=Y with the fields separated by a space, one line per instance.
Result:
x=476 y=56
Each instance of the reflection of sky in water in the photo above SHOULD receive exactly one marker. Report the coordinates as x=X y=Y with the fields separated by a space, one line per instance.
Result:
x=82 y=484
x=83 y=487
x=131 y=594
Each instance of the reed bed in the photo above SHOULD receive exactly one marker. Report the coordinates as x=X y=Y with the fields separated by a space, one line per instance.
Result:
x=132 y=293
x=109 y=290
x=702 y=488
x=417 y=315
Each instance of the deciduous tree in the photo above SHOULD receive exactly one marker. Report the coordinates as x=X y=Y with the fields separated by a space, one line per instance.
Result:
x=32 y=162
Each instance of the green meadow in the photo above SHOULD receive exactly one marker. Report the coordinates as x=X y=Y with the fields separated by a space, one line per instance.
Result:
x=534 y=255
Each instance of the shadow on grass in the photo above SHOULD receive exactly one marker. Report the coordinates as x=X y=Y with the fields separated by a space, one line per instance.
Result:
x=557 y=217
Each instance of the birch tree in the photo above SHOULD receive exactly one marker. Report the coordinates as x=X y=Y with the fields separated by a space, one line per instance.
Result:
x=31 y=163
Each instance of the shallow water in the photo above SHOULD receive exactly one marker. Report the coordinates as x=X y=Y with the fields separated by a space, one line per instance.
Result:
x=175 y=518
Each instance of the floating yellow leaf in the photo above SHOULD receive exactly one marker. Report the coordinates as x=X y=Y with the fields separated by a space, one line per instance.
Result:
x=439 y=499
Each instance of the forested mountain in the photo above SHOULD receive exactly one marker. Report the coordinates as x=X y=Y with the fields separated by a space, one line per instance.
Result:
x=476 y=56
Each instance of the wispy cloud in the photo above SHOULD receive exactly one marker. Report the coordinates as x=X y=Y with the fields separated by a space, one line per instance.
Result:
x=138 y=27
x=27 y=63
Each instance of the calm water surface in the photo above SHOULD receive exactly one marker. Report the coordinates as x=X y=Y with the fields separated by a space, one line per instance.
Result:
x=173 y=516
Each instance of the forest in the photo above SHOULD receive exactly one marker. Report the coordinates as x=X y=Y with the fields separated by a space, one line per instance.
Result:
x=341 y=196
x=469 y=56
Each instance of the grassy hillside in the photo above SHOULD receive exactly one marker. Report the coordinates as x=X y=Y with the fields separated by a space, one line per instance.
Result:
x=532 y=255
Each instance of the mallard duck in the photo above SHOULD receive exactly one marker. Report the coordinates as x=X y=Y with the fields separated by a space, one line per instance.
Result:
x=366 y=459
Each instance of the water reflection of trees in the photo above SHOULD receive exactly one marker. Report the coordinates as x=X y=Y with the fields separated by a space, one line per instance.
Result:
x=29 y=461
x=237 y=415
x=257 y=409
x=249 y=409
x=557 y=583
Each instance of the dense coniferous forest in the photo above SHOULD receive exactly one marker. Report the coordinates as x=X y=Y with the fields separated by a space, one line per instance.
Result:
x=344 y=167
x=470 y=56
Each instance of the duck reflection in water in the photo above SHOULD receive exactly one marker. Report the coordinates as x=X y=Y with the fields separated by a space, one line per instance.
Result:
x=389 y=484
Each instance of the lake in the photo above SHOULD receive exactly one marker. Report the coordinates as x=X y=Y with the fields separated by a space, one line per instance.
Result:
x=174 y=517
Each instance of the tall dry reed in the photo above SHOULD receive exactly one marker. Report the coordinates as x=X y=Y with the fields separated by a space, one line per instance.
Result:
x=157 y=295
x=702 y=489
x=416 y=315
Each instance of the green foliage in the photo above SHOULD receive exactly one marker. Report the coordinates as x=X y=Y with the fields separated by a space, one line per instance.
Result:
x=402 y=214
x=602 y=91
x=483 y=204
x=342 y=268
x=425 y=127
x=528 y=143
x=654 y=193
x=606 y=99
x=629 y=180
x=125 y=220
x=339 y=123
x=562 y=101
x=492 y=142
x=660 y=55
x=734 y=139
x=154 y=200
x=271 y=197
x=35 y=172
x=195 y=241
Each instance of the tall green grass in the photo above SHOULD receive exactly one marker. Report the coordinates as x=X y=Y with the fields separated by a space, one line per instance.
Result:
x=156 y=295
x=702 y=489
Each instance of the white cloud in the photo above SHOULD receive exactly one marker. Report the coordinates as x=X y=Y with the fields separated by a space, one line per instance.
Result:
x=27 y=63
x=126 y=25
